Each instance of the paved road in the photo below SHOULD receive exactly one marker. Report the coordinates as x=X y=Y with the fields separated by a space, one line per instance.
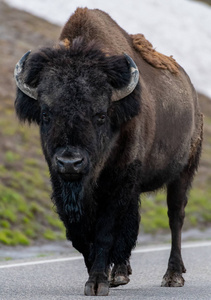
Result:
x=64 y=277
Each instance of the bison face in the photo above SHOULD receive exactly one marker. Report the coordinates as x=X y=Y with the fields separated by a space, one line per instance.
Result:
x=75 y=124
x=79 y=97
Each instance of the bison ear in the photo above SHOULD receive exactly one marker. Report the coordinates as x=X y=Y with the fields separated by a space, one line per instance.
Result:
x=27 y=76
x=117 y=70
x=123 y=75
x=27 y=109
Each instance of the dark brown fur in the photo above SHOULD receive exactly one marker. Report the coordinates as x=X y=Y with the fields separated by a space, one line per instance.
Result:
x=169 y=113
x=161 y=89
x=149 y=139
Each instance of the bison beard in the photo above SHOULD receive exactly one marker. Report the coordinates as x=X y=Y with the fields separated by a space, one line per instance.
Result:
x=74 y=200
x=69 y=201
x=108 y=135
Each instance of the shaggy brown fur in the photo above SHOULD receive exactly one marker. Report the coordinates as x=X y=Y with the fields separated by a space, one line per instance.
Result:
x=87 y=19
x=148 y=139
x=154 y=58
x=98 y=26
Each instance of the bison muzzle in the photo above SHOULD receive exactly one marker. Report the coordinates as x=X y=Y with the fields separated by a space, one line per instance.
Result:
x=116 y=119
x=71 y=164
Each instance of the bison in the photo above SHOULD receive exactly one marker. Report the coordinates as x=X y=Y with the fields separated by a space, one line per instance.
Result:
x=116 y=119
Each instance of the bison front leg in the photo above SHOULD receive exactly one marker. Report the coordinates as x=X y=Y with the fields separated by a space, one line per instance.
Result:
x=98 y=283
x=127 y=227
x=116 y=234
x=176 y=200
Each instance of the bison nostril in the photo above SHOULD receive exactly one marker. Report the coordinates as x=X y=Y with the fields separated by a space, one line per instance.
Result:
x=60 y=161
x=78 y=162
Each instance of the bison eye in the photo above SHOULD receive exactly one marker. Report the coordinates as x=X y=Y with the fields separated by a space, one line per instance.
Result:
x=101 y=119
x=45 y=117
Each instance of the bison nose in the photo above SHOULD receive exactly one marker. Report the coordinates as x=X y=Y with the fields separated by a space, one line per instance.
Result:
x=69 y=165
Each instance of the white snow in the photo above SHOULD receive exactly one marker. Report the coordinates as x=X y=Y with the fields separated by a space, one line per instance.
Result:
x=181 y=28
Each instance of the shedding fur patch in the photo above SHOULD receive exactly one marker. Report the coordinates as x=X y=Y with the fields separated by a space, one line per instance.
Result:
x=154 y=58
x=65 y=43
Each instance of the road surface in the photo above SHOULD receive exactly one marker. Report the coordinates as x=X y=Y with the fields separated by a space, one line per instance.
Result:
x=64 y=277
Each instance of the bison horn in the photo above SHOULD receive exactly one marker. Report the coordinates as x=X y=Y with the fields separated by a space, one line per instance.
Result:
x=19 y=78
x=122 y=93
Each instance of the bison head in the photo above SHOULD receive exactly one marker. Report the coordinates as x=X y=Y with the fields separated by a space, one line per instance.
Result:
x=79 y=97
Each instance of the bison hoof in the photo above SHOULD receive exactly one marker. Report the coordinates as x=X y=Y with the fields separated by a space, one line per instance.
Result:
x=120 y=275
x=119 y=280
x=172 y=279
x=96 y=289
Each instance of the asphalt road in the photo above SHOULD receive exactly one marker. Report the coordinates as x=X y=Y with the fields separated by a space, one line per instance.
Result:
x=64 y=277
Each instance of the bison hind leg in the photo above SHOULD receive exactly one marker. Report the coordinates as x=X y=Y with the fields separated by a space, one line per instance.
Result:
x=177 y=199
